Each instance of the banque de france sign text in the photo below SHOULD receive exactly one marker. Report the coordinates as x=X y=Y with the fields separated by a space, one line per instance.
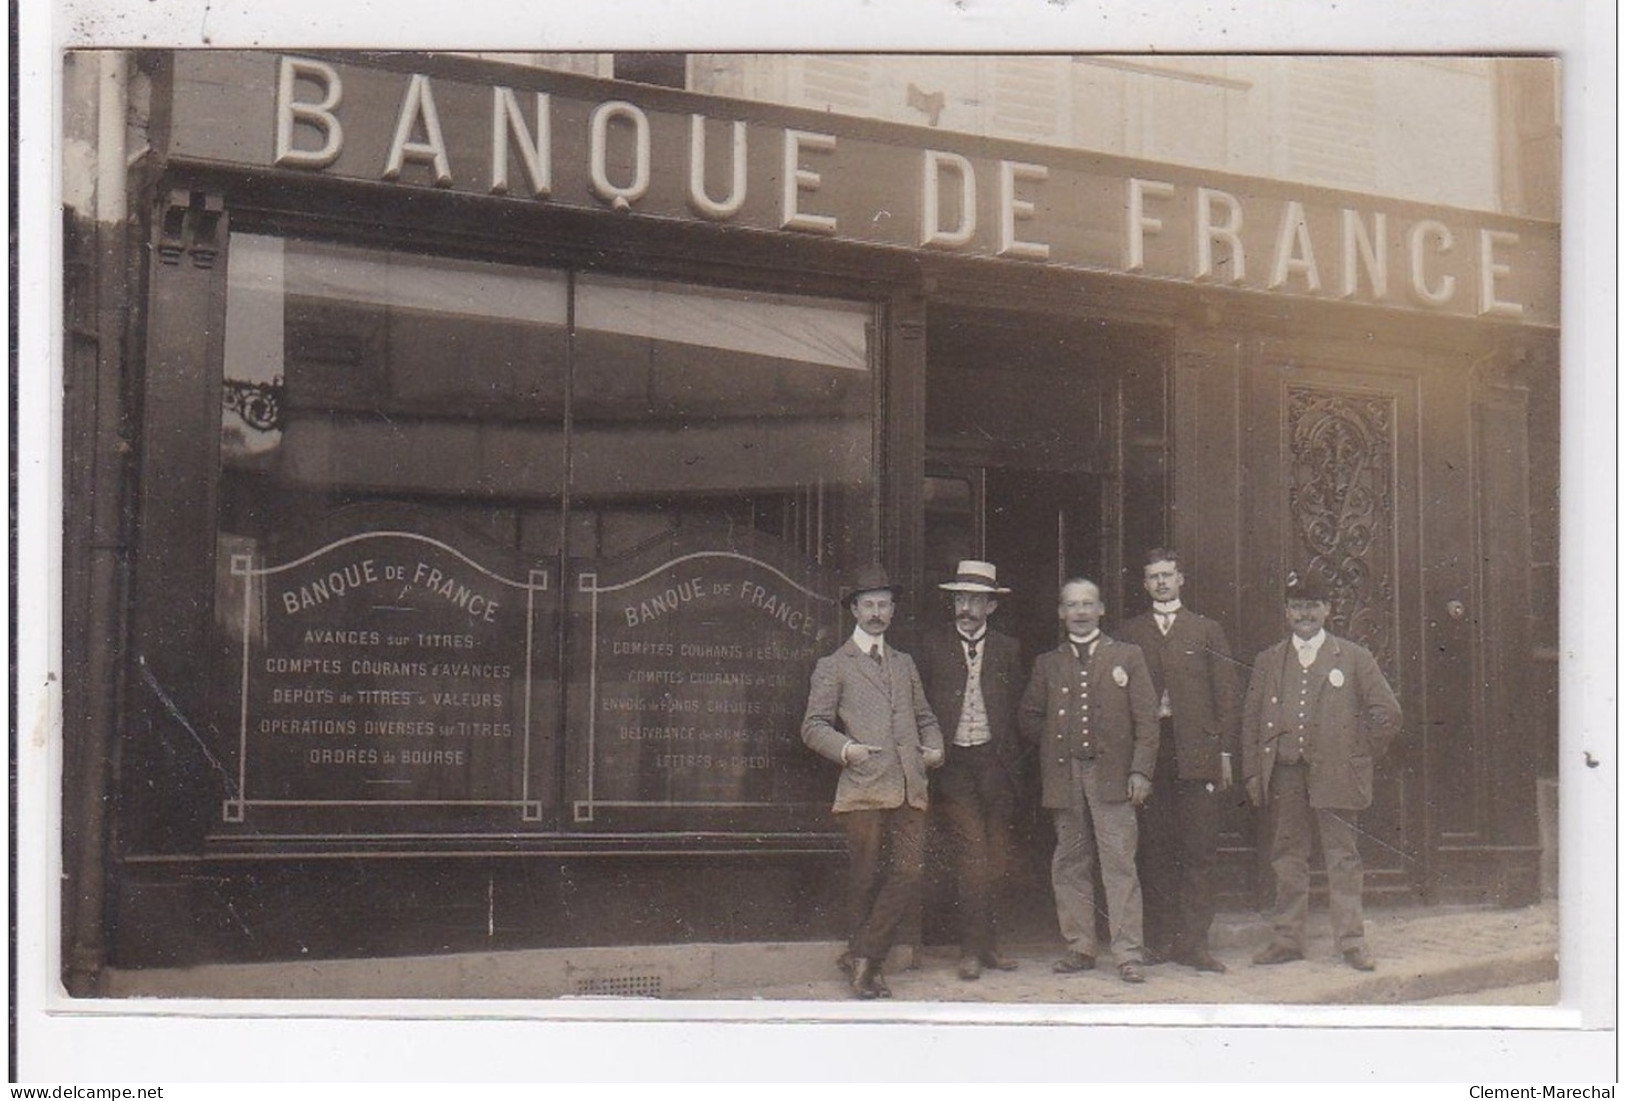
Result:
x=543 y=139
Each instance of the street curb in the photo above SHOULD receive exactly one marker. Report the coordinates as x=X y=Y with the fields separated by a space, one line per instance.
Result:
x=1511 y=969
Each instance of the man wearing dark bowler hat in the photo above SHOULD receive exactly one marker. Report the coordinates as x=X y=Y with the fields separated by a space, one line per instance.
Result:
x=867 y=712
x=972 y=676
x=1318 y=714
x=1198 y=750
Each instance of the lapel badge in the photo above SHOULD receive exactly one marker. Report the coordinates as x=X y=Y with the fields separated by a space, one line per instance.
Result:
x=1120 y=676
x=1336 y=677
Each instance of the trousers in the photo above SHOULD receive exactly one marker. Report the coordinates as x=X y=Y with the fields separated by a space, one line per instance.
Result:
x=886 y=849
x=976 y=801
x=1179 y=852
x=1291 y=821
x=1092 y=828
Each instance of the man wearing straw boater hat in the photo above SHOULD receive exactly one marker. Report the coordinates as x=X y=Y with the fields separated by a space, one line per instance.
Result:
x=867 y=712
x=972 y=678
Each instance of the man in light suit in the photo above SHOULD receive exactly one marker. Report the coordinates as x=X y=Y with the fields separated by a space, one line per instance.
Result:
x=1318 y=714
x=1090 y=708
x=1197 y=751
x=972 y=674
x=867 y=712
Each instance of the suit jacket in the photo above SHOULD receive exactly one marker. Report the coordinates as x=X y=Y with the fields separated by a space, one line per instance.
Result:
x=943 y=671
x=1354 y=717
x=1192 y=662
x=1122 y=717
x=854 y=700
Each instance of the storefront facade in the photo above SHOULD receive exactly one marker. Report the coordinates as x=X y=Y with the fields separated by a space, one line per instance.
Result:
x=490 y=444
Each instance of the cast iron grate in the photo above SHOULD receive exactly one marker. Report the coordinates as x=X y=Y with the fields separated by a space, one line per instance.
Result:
x=620 y=986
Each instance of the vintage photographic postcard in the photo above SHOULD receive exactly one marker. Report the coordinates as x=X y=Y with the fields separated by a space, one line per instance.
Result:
x=901 y=520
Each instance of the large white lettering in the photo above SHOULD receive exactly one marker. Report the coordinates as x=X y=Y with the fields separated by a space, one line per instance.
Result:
x=932 y=233
x=1490 y=269
x=1294 y=254
x=1175 y=230
x=1209 y=232
x=621 y=198
x=1359 y=247
x=1012 y=208
x=507 y=120
x=698 y=197
x=798 y=179
x=418 y=109
x=1440 y=293
x=320 y=115
x=1139 y=224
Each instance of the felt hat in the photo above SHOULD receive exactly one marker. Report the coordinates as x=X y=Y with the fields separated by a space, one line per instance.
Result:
x=868 y=579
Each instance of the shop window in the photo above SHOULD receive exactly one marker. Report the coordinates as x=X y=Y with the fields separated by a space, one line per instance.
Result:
x=445 y=486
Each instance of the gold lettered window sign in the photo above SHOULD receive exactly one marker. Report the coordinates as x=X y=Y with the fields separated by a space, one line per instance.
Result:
x=387 y=669
x=690 y=679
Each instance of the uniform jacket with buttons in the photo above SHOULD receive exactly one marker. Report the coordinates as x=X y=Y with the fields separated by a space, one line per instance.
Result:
x=852 y=699
x=944 y=670
x=1351 y=713
x=1192 y=662
x=1121 y=712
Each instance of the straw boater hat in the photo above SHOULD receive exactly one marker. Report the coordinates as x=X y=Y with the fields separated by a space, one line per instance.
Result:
x=974 y=577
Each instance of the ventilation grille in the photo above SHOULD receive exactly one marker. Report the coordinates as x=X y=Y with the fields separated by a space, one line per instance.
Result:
x=620 y=986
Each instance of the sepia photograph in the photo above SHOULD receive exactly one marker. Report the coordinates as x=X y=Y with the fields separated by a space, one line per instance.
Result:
x=857 y=535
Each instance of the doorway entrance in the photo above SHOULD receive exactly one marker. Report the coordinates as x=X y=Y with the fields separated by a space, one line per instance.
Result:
x=1037 y=429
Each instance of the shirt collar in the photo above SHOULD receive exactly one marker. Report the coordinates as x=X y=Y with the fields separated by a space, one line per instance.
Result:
x=1166 y=607
x=1311 y=644
x=866 y=642
x=977 y=637
x=1092 y=637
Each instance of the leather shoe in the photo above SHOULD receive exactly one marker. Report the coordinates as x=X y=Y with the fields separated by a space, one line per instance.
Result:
x=864 y=973
x=878 y=981
x=1073 y=962
x=1202 y=960
x=1278 y=953
x=846 y=961
x=1130 y=971
x=995 y=962
x=1154 y=956
x=1360 y=959
x=970 y=968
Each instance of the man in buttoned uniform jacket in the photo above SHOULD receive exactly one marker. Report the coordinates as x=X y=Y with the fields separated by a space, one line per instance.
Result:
x=867 y=712
x=1198 y=753
x=972 y=675
x=1317 y=716
x=1091 y=711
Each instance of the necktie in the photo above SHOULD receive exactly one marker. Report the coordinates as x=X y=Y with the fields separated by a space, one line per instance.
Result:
x=1165 y=621
x=874 y=652
x=970 y=649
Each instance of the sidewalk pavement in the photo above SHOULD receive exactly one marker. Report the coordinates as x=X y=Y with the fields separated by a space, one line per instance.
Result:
x=1423 y=953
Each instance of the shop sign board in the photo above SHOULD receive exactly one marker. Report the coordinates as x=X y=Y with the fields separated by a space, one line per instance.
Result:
x=514 y=135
